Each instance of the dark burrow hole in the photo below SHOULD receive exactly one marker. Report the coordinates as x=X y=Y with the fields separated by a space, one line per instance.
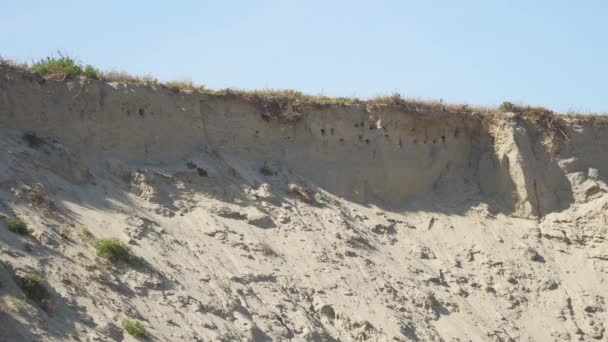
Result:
x=443 y=139
x=322 y=131
x=141 y=112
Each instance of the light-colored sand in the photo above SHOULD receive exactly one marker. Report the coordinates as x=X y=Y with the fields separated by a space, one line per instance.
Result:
x=419 y=226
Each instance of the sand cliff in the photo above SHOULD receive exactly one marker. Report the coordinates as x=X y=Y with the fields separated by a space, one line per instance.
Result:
x=423 y=223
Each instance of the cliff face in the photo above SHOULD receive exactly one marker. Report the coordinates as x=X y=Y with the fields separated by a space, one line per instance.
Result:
x=378 y=154
x=369 y=221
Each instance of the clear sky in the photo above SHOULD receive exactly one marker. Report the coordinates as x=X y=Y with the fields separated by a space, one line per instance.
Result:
x=540 y=52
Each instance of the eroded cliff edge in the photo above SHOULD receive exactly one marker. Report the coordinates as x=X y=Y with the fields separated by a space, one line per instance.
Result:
x=381 y=153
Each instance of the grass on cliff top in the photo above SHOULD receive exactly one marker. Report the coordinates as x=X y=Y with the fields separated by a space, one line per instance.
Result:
x=281 y=105
x=62 y=68
x=285 y=105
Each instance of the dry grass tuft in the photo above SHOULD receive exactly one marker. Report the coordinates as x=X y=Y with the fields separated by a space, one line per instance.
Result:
x=303 y=192
x=117 y=76
x=184 y=86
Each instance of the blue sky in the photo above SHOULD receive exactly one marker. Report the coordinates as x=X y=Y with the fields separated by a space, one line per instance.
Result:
x=551 y=53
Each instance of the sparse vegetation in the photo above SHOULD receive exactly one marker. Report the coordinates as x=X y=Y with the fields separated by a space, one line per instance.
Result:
x=19 y=304
x=37 y=198
x=12 y=64
x=285 y=106
x=63 y=67
x=112 y=249
x=303 y=192
x=543 y=118
x=33 y=286
x=184 y=85
x=17 y=226
x=134 y=328
x=124 y=77
x=85 y=235
x=266 y=249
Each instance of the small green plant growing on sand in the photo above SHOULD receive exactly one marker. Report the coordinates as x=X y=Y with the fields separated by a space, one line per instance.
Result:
x=19 y=304
x=33 y=286
x=112 y=249
x=17 y=226
x=134 y=328
x=85 y=235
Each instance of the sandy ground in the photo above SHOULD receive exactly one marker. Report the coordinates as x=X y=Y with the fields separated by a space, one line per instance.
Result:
x=227 y=253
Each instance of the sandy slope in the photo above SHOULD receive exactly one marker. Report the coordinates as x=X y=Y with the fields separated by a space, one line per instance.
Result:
x=236 y=256
x=367 y=224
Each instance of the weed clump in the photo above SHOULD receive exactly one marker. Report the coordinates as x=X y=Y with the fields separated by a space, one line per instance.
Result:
x=134 y=328
x=125 y=77
x=17 y=226
x=33 y=286
x=85 y=235
x=62 y=67
x=185 y=85
x=112 y=249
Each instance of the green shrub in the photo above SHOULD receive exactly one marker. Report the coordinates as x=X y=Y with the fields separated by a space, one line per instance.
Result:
x=507 y=107
x=64 y=67
x=17 y=226
x=91 y=72
x=33 y=286
x=112 y=249
x=134 y=328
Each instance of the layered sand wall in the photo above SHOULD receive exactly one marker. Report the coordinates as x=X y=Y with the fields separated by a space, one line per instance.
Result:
x=381 y=154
